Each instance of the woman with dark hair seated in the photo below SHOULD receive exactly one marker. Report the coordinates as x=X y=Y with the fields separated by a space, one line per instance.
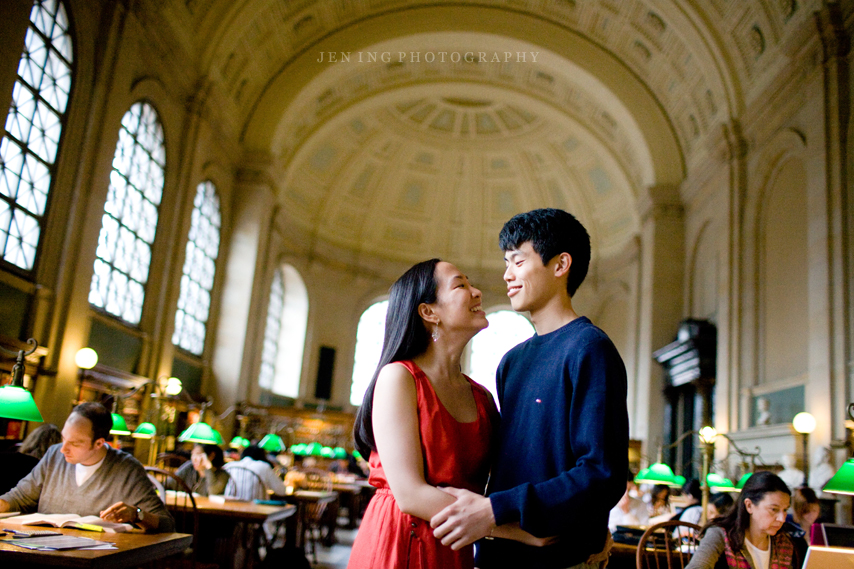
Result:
x=750 y=537
x=204 y=473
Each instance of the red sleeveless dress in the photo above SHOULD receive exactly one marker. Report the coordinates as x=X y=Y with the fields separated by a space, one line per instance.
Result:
x=455 y=454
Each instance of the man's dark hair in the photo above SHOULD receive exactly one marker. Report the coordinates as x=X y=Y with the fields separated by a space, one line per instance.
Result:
x=551 y=232
x=99 y=416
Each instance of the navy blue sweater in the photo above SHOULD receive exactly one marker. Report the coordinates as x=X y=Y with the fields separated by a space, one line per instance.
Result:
x=563 y=446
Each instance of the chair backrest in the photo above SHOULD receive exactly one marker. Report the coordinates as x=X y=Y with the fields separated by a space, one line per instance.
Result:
x=244 y=484
x=180 y=502
x=170 y=461
x=661 y=545
x=318 y=481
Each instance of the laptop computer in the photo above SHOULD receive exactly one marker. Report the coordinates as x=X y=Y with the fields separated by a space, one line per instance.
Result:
x=832 y=535
x=821 y=557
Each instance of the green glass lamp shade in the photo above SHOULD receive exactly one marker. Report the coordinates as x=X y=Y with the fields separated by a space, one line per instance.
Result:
x=658 y=473
x=715 y=480
x=679 y=480
x=272 y=443
x=239 y=442
x=298 y=449
x=741 y=481
x=120 y=427
x=843 y=481
x=340 y=453
x=327 y=452
x=144 y=431
x=314 y=449
x=200 y=433
x=17 y=403
x=357 y=455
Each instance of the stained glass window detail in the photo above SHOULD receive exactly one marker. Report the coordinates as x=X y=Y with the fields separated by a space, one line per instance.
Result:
x=271 y=331
x=130 y=216
x=194 y=302
x=33 y=129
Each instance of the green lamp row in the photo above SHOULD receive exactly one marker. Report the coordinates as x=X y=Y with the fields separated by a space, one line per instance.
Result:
x=660 y=473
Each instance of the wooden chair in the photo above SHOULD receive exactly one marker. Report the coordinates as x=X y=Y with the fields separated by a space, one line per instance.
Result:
x=169 y=461
x=315 y=517
x=658 y=548
x=181 y=504
x=244 y=484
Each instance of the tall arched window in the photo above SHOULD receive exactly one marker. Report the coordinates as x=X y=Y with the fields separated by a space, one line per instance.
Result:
x=369 y=345
x=506 y=330
x=284 y=335
x=130 y=215
x=194 y=303
x=33 y=129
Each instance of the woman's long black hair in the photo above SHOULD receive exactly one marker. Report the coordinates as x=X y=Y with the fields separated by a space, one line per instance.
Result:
x=405 y=337
x=735 y=524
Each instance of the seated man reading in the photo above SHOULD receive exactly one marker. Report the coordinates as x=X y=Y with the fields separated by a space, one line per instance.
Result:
x=85 y=476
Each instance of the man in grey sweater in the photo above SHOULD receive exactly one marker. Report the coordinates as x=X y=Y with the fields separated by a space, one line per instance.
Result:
x=87 y=477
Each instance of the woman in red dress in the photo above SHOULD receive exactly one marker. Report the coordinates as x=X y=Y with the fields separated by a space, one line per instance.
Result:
x=423 y=423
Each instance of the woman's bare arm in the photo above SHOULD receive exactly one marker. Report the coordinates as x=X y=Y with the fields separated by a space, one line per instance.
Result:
x=395 y=422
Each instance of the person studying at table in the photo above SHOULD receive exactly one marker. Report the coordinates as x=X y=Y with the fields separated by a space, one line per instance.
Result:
x=85 y=476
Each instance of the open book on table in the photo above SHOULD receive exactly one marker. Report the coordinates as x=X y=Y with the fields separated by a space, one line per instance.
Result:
x=91 y=523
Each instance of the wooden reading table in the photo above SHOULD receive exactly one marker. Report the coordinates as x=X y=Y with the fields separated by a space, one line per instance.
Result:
x=135 y=548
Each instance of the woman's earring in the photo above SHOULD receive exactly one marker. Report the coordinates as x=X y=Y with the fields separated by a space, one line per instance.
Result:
x=435 y=333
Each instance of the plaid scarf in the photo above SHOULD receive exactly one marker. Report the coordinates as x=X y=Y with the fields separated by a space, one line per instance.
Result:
x=781 y=553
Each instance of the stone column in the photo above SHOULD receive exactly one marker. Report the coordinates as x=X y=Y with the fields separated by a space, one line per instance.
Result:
x=244 y=291
x=836 y=44
x=661 y=292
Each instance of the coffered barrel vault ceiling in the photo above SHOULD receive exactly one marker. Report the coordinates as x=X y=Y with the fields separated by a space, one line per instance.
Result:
x=385 y=143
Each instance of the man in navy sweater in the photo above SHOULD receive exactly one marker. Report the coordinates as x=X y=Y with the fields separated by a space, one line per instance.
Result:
x=563 y=443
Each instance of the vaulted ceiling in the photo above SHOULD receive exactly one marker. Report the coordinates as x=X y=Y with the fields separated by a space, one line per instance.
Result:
x=398 y=130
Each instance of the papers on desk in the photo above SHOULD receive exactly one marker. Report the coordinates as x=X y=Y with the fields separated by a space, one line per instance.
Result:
x=220 y=499
x=59 y=542
x=9 y=514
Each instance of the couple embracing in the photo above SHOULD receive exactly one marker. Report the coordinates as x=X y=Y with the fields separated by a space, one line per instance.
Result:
x=555 y=459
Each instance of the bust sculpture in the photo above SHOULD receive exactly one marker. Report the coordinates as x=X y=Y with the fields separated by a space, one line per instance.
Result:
x=790 y=474
x=821 y=470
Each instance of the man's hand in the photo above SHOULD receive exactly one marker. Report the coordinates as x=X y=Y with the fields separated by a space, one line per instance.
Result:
x=119 y=512
x=465 y=521
x=4 y=506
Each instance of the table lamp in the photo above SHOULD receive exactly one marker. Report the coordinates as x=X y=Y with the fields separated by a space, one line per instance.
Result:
x=15 y=401
x=239 y=442
x=272 y=443
x=843 y=481
x=743 y=480
x=201 y=433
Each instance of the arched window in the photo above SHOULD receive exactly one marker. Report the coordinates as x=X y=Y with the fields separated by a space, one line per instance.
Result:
x=281 y=357
x=369 y=345
x=506 y=330
x=33 y=129
x=130 y=215
x=194 y=303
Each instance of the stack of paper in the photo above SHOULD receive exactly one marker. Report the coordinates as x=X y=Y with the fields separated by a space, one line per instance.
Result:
x=56 y=543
